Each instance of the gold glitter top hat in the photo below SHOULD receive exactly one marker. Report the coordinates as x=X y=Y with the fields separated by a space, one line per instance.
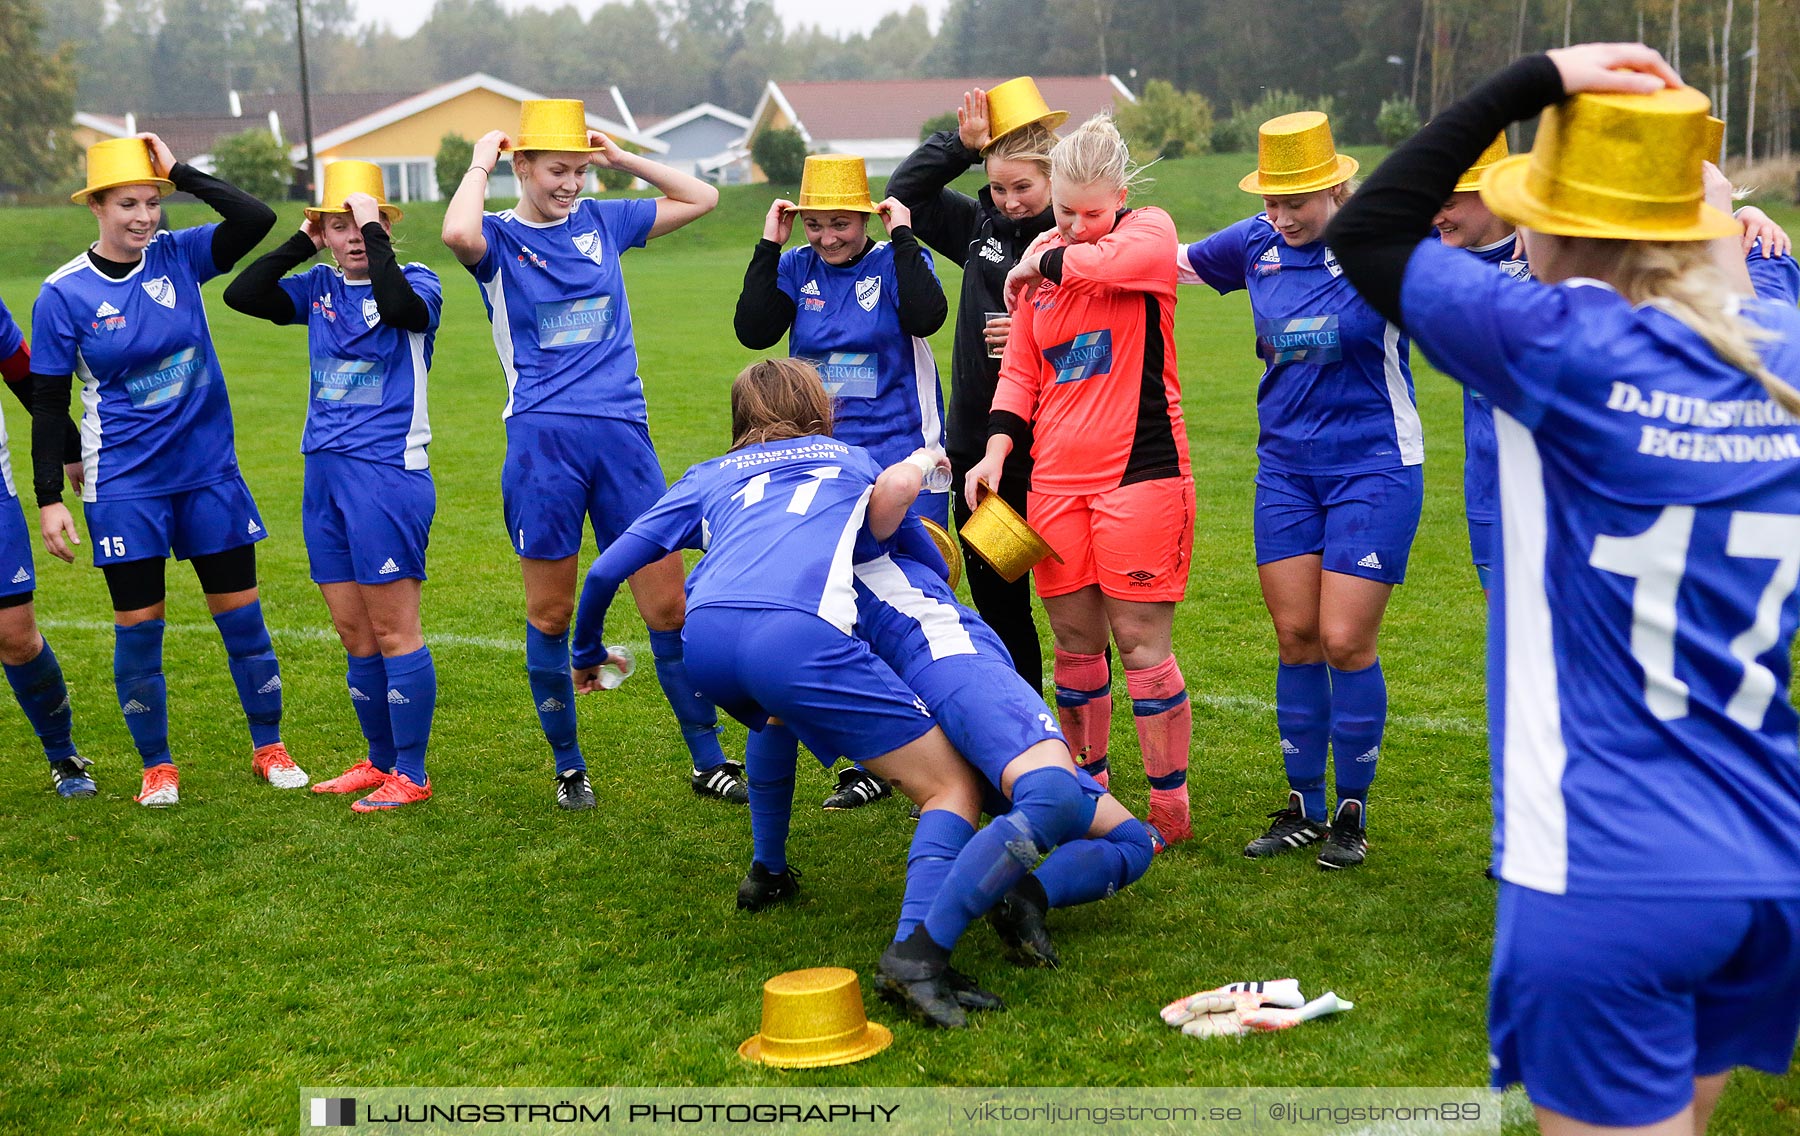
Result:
x=342 y=178
x=120 y=161
x=835 y=181
x=1001 y=537
x=1714 y=150
x=1471 y=179
x=1618 y=167
x=946 y=548
x=553 y=124
x=813 y=1018
x=1017 y=103
x=1295 y=154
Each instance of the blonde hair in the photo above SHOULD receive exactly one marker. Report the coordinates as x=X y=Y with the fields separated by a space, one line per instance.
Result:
x=775 y=399
x=1095 y=154
x=1030 y=143
x=1681 y=278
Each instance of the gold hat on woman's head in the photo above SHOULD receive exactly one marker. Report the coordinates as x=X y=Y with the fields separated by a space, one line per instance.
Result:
x=1618 y=167
x=1295 y=154
x=347 y=176
x=835 y=181
x=814 y=1018
x=1471 y=179
x=553 y=124
x=1016 y=103
x=120 y=161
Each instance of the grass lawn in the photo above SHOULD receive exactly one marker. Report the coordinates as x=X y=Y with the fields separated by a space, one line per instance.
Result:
x=186 y=970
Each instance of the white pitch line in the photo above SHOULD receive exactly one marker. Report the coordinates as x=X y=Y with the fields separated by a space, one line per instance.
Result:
x=1232 y=703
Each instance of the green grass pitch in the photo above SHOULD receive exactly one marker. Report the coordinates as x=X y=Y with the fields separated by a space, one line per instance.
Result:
x=185 y=970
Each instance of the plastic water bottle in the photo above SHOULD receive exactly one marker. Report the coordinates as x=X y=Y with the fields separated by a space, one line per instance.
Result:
x=938 y=479
x=611 y=676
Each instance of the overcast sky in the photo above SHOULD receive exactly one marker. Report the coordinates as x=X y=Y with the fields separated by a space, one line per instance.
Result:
x=835 y=16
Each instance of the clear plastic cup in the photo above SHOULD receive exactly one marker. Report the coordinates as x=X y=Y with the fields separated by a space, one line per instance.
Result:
x=939 y=479
x=993 y=352
x=612 y=677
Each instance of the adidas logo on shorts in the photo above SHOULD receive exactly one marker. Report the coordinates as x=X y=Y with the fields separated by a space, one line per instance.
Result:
x=357 y=695
x=254 y=527
x=21 y=576
x=551 y=706
x=1369 y=561
x=395 y=698
x=270 y=687
x=1373 y=754
x=134 y=707
x=810 y=288
x=389 y=568
x=1289 y=747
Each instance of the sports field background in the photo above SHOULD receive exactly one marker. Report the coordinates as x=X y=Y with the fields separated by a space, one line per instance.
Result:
x=185 y=970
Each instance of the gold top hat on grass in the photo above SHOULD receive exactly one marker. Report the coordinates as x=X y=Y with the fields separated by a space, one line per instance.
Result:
x=1016 y=103
x=1295 y=154
x=553 y=124
x=342 y=178
x=1471 y=179
x=835 y=181
x=1001 y=537
x=946 y=548
x=1618 y=167
x=814 y=1018
x=1714 y=150
x=120 y=161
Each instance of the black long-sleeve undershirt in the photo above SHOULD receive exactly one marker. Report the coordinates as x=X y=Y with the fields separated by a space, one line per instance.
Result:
x=243 y=221
x=1374 y=234
x=257 y=290
x=765 y=313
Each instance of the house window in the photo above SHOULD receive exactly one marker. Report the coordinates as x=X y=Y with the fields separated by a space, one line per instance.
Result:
x=421 y=180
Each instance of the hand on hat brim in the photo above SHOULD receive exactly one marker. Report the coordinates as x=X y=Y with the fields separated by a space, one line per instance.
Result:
x=1613 y=68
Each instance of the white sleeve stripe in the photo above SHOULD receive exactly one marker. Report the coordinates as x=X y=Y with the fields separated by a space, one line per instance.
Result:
x=503 y=344
x=1535 y=851
x=837 y=606
x=925 y=386
x=940 y=623
x=418 y=433
x=1407 y=430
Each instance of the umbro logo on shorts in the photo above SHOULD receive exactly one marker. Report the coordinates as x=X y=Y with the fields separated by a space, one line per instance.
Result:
x=357 y=695
x=551 y=705
x=395 y=698
x=254 y=527
x=270 y=687
x=21 y=576
x=134 y=707
x=1140 y=576
x=1369 y=561
x=810 y=288
x=388 y=569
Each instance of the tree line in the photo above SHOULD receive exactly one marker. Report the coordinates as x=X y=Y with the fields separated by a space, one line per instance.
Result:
x=185 y=56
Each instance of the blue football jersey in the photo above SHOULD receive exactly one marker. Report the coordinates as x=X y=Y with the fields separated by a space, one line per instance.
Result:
x=367 y=382
x=11 y=338
x=556 y=298
x=1773 y=277
x=1336 y=394
x=779 y=524
x=1481 y=471
x=1645 y=604
x=909 y=616
x=883 y=382
x=155 y=417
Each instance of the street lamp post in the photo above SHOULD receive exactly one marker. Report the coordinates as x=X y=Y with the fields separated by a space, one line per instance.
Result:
x=312 y=171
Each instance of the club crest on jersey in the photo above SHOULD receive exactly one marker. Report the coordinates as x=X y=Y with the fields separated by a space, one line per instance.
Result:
x=1331 y=264
x=588 y=245
x=1083 y=357
x=162 y=290
x=371 y=311
x=1517 y=269
x=1269 y=262
x=526 y=256
x=868 y=292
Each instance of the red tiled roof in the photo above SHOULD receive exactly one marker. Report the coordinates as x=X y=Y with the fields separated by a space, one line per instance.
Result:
x=330 y=111
x=190 y=135
x=896 y=108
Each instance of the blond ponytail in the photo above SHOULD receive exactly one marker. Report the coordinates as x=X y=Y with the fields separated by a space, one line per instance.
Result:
x=1681 y=278
x=1094 y=153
